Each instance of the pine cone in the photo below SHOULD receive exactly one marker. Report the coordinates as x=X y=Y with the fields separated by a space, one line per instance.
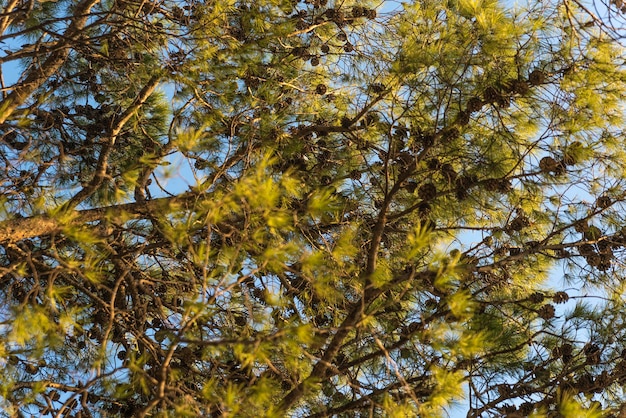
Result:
x=560 y=297
x=547 y=311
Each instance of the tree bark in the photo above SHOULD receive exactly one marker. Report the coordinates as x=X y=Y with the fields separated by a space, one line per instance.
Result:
x=14 y=230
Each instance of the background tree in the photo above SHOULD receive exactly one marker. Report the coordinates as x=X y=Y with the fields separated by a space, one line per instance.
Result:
x=377 y=196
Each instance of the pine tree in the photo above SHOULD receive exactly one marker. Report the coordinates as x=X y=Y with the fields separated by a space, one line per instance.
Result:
x=387 y=208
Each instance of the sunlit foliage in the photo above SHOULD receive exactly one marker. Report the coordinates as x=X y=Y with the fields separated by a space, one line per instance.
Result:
x=312 y=208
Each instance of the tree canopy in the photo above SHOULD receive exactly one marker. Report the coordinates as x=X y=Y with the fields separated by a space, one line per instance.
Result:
x=312 y=208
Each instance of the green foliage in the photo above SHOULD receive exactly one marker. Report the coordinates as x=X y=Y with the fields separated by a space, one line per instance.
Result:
x=312 y=208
